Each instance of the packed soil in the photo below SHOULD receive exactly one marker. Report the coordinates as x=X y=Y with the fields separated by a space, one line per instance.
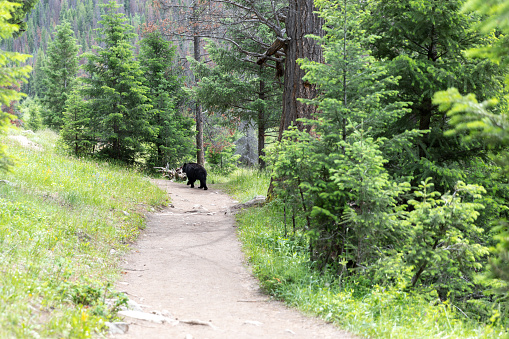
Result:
x=188 y=266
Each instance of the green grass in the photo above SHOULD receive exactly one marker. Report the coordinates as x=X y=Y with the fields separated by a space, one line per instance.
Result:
x=243 y=183
x=282 y=265
x=64 y=223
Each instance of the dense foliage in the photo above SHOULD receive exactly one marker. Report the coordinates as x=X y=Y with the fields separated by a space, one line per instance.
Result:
x=172 y=130
x=11 y=73
x=487 y=121
x=380 y=187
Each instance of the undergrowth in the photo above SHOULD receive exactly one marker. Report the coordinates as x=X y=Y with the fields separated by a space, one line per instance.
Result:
x=281 y=262
x=64 y=222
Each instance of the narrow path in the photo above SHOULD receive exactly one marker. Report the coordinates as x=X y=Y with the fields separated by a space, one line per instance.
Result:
x=188 y=263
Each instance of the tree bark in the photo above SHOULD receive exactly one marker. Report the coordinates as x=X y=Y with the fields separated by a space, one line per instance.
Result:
x=301 y=21
x=200 y=152
x=261 y=128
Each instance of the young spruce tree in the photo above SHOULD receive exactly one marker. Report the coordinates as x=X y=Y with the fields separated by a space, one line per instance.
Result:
x=119 y=106
x=172 y=131
x=60 y=73
x=76 y=131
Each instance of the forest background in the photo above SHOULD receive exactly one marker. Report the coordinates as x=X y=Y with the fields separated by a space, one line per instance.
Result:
x=383 y=177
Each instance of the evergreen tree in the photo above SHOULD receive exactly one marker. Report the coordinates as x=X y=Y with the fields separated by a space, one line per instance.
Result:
x=424 y=43
x=487 y=122
x=60 y=72
x=11 y=73
x=239 y=91
x=36 y=82
x=76 y=131
x=119 y=104
x=20 y=12
x=31 y=110
x=337 y=174
x=172 y=139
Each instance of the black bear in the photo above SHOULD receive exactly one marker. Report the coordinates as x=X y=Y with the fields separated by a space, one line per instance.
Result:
x=195 y=172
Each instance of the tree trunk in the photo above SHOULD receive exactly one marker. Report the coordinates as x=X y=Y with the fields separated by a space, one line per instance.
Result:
x=200 y=153
x=426 y=108
x=261 y=128
x=425 y=113
x=301 y=21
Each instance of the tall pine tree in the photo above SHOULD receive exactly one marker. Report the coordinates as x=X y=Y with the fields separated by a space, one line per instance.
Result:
x=119 y=104
x=239 y=90
x=171 y=141
x=60 y=72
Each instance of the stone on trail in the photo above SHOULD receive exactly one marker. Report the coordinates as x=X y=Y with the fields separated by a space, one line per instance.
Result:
x=133 y=306
x=155 y=318
x=117 y=327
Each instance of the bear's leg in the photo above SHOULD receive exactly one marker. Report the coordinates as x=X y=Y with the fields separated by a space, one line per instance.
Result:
x=192 y=183
x=203 y=184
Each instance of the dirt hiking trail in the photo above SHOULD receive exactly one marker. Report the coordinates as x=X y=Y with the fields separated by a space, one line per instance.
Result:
x=188 y=266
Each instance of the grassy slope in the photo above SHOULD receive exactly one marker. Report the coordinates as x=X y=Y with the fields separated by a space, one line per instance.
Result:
x=63 y=224
x=282 y=265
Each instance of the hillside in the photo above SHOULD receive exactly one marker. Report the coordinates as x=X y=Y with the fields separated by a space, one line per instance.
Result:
x=63 y=224
x=83 y=16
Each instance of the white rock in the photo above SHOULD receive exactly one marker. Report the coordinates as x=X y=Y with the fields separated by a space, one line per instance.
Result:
x=253 y=322
x=134 y=306
x=118 y=327
x=159 y=319
x=167 y=314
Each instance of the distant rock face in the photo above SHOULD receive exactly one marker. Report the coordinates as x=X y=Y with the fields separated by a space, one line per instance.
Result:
x=247 y=146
